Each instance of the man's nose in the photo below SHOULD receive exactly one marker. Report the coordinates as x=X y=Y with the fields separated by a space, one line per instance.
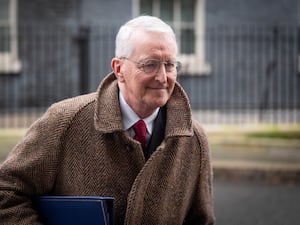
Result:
x=161 y=73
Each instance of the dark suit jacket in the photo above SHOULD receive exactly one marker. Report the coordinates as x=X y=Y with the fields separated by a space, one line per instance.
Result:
x=157 y=134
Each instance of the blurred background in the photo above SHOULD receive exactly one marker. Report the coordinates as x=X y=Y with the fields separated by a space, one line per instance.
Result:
x=241 y=71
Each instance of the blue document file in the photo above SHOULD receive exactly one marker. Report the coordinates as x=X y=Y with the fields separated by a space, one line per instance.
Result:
x=76 y=210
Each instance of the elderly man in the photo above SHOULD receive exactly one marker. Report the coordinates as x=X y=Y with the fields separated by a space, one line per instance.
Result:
x=134 y=139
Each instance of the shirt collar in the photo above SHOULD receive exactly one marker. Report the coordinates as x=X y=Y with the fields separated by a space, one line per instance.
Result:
x=129 y=117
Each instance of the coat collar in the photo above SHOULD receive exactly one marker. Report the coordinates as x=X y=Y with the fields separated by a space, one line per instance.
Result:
x=108 y=117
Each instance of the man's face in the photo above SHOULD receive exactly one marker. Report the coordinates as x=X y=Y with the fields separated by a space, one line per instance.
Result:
x=143 y=91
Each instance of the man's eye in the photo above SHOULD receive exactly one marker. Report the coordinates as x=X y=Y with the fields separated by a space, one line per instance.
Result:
x=170 y=64
x=150 y=65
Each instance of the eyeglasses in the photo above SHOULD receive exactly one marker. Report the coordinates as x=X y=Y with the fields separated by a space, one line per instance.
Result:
x=152 y=66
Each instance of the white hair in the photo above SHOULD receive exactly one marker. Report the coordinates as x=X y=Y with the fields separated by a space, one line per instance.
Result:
x=124 y=45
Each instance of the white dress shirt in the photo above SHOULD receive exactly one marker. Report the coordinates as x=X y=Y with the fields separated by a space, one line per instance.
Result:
x=129 y=118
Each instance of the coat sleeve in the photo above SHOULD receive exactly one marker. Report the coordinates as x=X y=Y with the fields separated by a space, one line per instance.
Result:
x=30 y=169
x=201 y=211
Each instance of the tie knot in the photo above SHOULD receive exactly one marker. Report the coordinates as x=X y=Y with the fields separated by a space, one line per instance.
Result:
x=140 y=130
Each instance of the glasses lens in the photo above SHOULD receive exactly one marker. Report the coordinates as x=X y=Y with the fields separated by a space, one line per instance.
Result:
x=170 y=66
x=151 y=66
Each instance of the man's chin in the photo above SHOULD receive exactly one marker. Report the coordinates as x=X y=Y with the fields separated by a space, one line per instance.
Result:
x=160 y=103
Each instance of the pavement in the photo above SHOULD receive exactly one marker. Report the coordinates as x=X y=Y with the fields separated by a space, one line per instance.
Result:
x=237 y=155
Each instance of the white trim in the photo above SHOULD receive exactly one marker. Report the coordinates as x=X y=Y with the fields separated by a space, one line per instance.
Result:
x=193 y=64
x=196 y=64
x=9 y=62
x=135 y=7
x=156 y=8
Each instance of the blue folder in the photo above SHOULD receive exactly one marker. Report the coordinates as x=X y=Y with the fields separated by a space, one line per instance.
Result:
x=76 y=210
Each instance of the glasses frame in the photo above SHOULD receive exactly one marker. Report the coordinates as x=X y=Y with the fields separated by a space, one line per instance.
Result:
x=143 y=63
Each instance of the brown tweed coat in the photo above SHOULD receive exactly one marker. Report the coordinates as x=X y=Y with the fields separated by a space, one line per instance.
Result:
x=79 y=147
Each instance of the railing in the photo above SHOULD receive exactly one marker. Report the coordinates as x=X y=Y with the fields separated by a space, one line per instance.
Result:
x=254 y=78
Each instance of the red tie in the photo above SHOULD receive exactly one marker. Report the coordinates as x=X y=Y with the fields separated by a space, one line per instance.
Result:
x=140 y=130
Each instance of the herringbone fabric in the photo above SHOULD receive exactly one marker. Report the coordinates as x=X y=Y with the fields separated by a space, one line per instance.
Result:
x=79 y=147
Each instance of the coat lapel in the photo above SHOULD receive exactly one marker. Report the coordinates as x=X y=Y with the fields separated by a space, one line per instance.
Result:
x=158 y=133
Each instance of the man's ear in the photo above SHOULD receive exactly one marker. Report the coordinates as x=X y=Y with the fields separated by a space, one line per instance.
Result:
x=116 y=64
